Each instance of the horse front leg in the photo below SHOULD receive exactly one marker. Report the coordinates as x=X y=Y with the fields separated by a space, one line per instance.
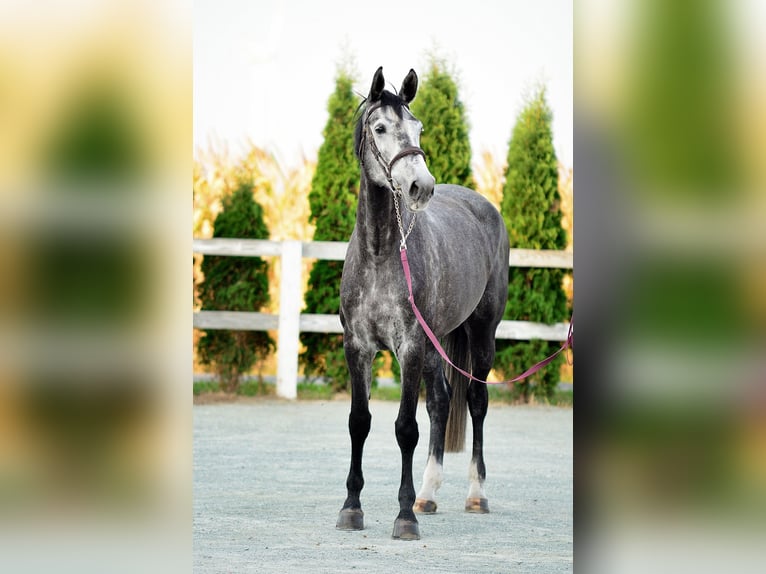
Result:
x=406 y=426
x=359 y=363
x=437 y=403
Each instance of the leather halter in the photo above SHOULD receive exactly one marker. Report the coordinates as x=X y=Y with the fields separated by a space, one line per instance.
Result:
x=387 y=166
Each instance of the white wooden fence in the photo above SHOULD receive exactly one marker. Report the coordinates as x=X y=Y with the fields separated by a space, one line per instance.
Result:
x=290 y=322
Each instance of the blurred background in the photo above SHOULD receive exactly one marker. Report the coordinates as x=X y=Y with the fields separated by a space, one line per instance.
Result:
x=670 y=458
x=95 y=417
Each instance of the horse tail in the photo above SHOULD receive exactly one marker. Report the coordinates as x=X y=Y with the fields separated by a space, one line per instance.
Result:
x=456 y=346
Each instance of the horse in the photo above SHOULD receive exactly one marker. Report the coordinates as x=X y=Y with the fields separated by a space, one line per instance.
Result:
x=458 y=254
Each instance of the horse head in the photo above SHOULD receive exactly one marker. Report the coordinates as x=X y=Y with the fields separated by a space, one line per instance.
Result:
x=388 y=142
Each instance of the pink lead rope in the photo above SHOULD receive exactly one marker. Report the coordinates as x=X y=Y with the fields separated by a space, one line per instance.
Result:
x=407 y=276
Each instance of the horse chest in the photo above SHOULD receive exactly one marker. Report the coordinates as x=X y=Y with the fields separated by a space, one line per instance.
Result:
x=376 y=311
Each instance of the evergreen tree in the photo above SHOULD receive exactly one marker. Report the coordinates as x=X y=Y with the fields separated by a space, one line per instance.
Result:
x=97 y=138
x=532 y=214
x=445 y=129
x=333 y=200
x=235 y=284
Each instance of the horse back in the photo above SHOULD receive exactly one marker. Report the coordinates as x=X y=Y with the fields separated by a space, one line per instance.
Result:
x=470 y=221
x=460 y=254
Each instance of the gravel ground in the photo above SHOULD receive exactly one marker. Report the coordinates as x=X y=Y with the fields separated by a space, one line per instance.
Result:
x=269 y=480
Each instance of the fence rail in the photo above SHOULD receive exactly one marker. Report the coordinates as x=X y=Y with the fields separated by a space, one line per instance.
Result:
x=290 y=322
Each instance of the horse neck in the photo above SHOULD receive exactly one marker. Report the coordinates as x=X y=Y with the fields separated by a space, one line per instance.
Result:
x=376 y=224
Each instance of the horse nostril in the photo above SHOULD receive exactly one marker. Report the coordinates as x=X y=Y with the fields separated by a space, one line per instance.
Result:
x=421 y=190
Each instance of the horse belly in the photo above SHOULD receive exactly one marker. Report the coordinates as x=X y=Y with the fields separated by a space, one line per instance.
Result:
x=455 y=297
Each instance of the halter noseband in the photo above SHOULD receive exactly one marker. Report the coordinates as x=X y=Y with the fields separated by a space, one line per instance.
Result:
x=387 y=166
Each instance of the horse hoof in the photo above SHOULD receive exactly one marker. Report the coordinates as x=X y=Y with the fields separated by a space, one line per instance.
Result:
x=423 y=506
x=350 y=519
x=405 y=530
x=477 y=505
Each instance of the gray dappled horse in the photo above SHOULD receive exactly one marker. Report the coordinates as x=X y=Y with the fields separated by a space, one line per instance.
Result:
x=458 y=254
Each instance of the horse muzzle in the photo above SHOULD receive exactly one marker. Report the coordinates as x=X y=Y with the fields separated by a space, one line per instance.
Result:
x=420 y=192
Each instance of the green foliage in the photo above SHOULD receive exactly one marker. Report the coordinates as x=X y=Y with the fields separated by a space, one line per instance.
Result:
x=678 y=103
x=235 y=284
x=97 y=137
x=314 y=392
x=333 y=200
x=532 y=214
x=323 y=355
x=246 y=388
x=335 y=185
x=445 y=136
x=500 y=394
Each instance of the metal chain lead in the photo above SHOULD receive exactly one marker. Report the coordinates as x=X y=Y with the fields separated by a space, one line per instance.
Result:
x=403 y=244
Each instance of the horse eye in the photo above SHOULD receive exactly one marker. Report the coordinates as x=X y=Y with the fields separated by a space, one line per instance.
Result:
x=380 y=129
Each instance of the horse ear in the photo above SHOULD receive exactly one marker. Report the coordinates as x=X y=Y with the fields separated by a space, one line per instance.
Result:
x=378 y=84
x=409 y=87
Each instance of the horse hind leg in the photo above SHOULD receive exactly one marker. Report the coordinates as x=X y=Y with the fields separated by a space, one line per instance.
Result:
x=437 y=404
x=482 y=355
x=476 y=501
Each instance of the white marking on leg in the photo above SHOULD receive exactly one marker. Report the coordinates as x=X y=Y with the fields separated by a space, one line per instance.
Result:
x=432 y=479
x=476 y=484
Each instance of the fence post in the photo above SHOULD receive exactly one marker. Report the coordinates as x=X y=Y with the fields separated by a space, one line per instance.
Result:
x=289 y=320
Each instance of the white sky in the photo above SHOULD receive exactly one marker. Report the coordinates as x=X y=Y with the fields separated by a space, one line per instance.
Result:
x=264 y=69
